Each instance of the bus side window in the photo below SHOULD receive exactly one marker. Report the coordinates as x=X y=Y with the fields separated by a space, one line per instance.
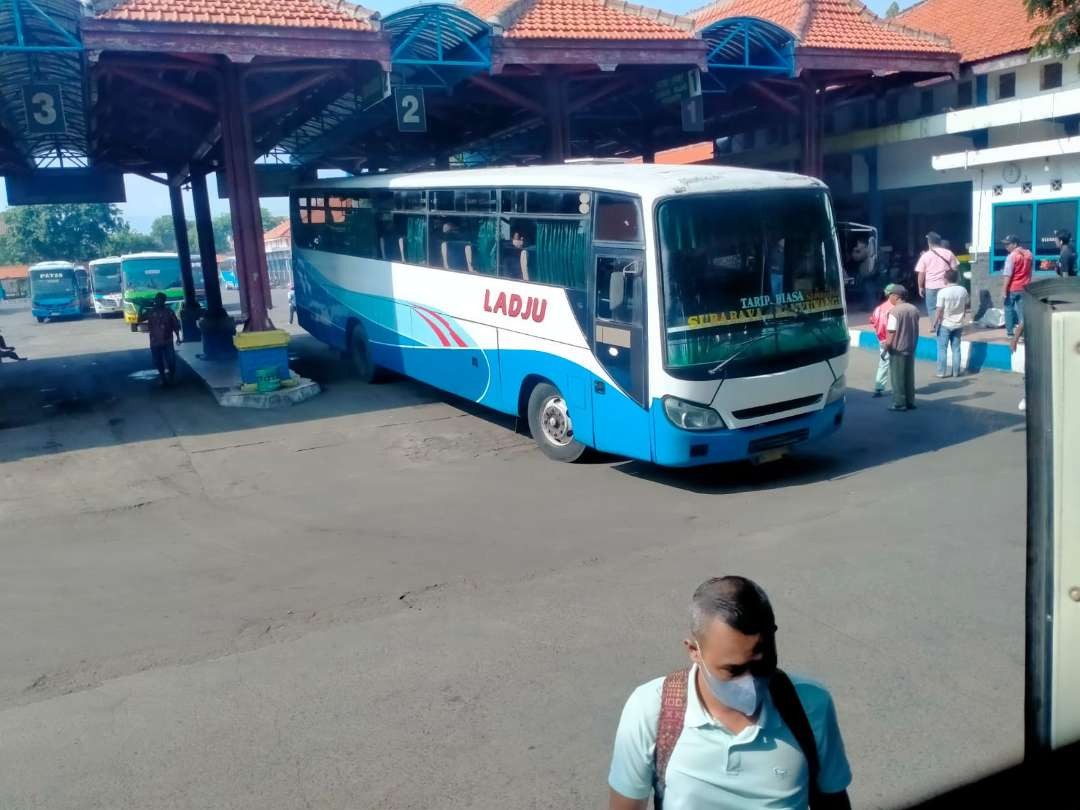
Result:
x=617 y=219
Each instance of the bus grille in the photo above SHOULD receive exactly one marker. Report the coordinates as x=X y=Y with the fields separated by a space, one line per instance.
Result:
x=776 y=407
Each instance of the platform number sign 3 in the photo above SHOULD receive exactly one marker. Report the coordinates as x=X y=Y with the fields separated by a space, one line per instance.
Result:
x=411 y=112
x=44 y=109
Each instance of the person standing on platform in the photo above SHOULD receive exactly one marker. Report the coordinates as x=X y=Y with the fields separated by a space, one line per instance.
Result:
x=903 y=336
x=930 y=270
x=952 y=303
x=292 y=302
x=879 y=319
x=1016 y=275
x=1066 y=263
x=162 y=323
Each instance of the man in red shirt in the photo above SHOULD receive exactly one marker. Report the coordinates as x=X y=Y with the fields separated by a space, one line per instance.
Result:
x=1016 y=275
x=162 y=323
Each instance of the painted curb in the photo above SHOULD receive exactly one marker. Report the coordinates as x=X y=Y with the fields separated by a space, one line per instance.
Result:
x=975 y=355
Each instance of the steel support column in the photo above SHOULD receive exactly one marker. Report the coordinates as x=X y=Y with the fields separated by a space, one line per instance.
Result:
x=189 y=314
x=244 y=201
x=555 y=91
x=813 y=130
x=217 y=324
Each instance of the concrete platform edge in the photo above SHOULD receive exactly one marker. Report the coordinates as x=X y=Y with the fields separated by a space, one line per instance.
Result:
x=975 y=355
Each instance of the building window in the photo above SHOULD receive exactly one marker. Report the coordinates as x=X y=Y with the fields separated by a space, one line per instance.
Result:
x=926 y=102
x=1007 y=85
x=1051 y=76
x=964 y=94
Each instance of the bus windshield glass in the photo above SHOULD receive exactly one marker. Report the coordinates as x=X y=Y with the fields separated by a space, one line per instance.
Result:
x=751 y=282
x=106 y=278
x=52 y=282
x=152 y=274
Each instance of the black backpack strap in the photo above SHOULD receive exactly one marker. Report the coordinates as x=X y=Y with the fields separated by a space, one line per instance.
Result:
x=786 y=700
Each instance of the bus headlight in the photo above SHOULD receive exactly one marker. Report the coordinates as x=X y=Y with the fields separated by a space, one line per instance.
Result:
x=837 y=390
x=689 y=416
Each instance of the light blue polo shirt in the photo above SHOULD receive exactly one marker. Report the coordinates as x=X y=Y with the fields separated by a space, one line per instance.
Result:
x=713 y=769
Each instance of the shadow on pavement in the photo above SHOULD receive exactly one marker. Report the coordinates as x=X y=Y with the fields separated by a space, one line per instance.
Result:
x=870 y=436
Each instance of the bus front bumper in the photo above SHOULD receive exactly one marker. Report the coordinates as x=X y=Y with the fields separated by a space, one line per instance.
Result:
x=675 y=447
x=46 y=311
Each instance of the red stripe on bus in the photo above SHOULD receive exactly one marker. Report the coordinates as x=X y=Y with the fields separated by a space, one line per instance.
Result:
x=457 y=338
x=434 y=328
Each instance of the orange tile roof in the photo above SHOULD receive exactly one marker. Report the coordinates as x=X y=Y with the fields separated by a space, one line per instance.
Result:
x=833 y=24
x=580 y=19
x=334 y=14
x=9 y=271
x=691 y=153
x=978 y=30
x=278 y=231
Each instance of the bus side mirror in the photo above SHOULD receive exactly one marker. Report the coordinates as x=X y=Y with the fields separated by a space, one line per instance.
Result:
x=616 y=290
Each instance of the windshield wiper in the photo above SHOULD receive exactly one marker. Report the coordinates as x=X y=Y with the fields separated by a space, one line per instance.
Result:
x=742 y=347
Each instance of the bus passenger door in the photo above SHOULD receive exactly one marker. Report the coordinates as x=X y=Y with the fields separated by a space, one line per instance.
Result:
x=620 y=411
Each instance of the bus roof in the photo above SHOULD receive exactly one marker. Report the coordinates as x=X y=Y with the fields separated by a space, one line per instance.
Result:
x=51 y=266
x=149 y=254
x=106 y=260
x=647 y=180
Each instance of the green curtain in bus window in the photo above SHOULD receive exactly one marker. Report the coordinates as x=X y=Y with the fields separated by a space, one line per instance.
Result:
x=560 y=254
x=487 y=243
x=416 y=240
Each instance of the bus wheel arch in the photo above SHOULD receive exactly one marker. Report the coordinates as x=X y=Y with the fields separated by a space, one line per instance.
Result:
x=549 y=420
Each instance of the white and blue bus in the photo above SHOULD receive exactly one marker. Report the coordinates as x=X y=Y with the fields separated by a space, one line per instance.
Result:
x=55 y=291
x=680 y=315
x=106 y=286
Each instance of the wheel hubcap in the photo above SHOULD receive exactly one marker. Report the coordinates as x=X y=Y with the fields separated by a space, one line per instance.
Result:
x=555 y=421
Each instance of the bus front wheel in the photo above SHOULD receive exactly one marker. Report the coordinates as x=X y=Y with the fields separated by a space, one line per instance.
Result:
x=41 y=320
x=134 y=327
x=550 y=424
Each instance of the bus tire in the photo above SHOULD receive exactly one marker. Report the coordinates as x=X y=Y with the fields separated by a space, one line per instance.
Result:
x=41 y=320
x=550 y=424
x=359 y=354
x=134 y=327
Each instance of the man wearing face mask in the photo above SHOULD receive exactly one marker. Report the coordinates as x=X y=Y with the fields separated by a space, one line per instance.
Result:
x=732 y=730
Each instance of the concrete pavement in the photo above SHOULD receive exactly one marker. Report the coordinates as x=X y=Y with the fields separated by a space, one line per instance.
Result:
x=385 y=598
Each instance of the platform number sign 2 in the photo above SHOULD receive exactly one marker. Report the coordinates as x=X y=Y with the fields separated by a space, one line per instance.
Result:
x=44 y=109
x=411 y=112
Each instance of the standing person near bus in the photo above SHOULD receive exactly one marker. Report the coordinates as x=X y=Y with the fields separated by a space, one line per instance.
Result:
x=879 y=319
x=930 y=270
x=292 y=302
x=1016 y=275
x=162 y=323
x=730 y=730
x=903 y=336
x=952 y=303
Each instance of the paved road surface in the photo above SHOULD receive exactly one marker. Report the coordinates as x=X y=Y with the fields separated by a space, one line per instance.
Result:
x=384 y=598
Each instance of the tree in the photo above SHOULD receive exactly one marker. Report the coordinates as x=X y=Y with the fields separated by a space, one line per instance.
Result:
x=1058 y=29
x=129 y=241
x=161 y=230
x=892 y=10
x=58 y=232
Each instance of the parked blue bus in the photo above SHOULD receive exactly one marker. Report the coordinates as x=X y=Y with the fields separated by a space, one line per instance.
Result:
x=54 y=291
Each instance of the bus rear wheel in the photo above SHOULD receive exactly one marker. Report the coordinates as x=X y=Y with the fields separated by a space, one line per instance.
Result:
x=550 y=424
x=360 y=356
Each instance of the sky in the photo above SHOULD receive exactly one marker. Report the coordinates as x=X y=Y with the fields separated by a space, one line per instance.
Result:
x=147 y=200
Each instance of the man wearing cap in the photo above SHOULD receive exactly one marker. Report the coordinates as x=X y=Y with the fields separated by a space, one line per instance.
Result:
x=902 y=331
x=1017 y=275
x=879 y=319
x=930 y=270
x=1066 y=264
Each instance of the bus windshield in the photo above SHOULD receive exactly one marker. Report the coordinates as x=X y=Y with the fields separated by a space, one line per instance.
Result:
x=751 y=282
x=152 y=274
x=106 y=278
x=52 y=282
